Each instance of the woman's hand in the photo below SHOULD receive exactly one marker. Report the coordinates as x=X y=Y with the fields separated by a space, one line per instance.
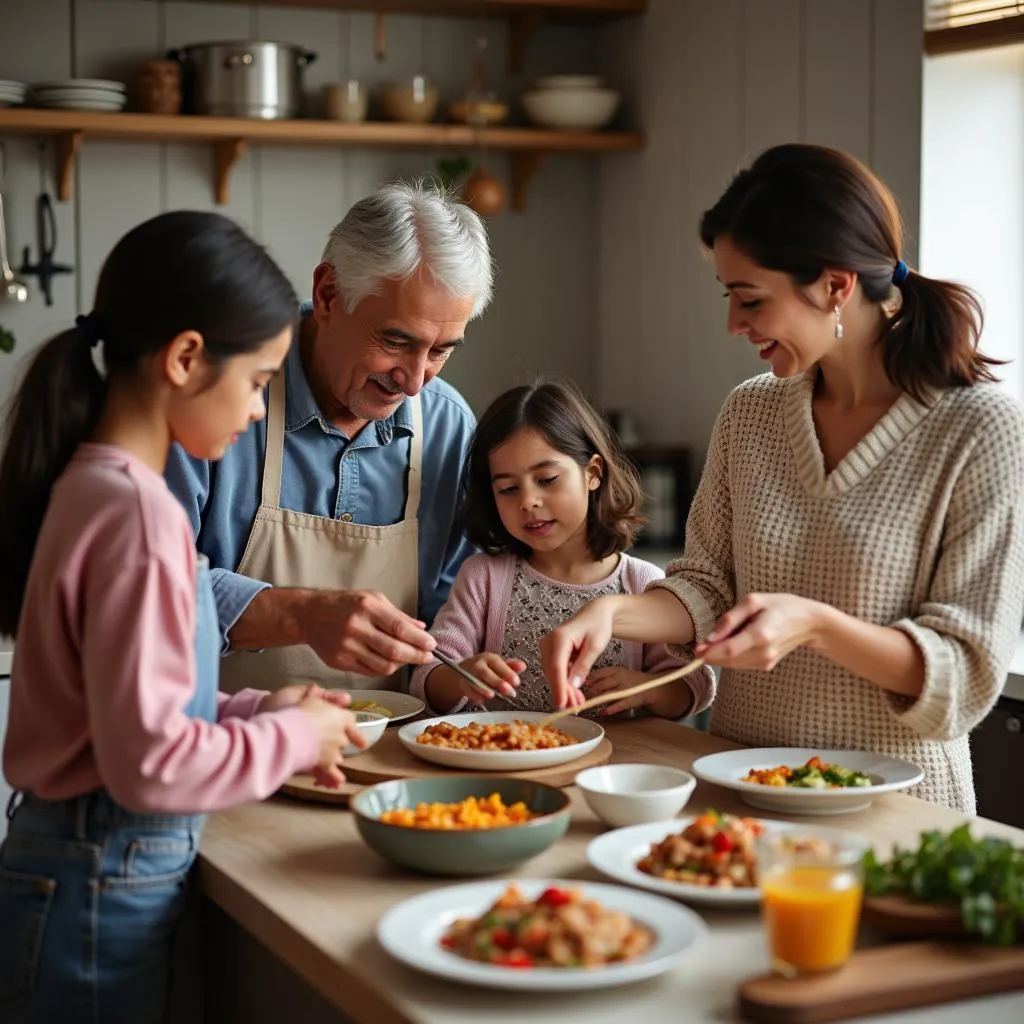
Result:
x=289 y=696
x=761 y=630
x=500 y=675
x=569 y=650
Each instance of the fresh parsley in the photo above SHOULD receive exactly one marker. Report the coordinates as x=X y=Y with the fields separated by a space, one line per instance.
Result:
x=984 y=876
x=6 y=339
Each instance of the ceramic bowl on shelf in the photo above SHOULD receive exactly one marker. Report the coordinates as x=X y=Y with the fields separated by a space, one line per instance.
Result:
x=571 y=103
x=478 y=111
x=438 y=851
x=414 y=102
x=632 y=794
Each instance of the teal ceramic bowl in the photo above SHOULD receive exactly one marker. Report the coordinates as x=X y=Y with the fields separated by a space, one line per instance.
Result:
x=460 y=852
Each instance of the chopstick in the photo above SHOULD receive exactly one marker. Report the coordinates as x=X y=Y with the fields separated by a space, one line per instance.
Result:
x=482 y=688
x=605 y=698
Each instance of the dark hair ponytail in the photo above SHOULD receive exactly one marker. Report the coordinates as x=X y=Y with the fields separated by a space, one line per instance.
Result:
x=176 y=272
x=803 y=209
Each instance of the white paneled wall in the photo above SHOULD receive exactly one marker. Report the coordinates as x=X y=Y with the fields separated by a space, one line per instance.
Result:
x=715 y=83
x=544 y=314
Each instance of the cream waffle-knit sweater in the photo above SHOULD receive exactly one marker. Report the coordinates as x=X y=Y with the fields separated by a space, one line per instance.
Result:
x=920 y=527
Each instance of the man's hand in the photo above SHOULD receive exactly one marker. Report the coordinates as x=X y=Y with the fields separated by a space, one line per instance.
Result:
x=350 y=630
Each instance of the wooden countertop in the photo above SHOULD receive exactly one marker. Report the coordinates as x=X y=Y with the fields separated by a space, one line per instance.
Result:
x=300 y=880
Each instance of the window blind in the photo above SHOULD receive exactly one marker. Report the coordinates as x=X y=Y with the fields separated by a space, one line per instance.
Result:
x=952 y=26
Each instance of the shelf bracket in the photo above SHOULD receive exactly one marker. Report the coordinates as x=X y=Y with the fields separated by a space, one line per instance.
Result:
x=524 y=166
x=68 y=144
x=228 y=152
x=521 y=28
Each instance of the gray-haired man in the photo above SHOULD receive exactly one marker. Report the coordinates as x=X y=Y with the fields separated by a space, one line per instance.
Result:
x=331 y=525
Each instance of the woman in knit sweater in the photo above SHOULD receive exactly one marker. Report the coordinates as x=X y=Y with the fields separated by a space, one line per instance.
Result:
x=854 y=554
x=554 y=504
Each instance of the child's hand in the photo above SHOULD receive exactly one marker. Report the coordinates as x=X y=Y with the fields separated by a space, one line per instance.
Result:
x=289 y=696
x=336 y=729
x=672 y=700
x=500 y=675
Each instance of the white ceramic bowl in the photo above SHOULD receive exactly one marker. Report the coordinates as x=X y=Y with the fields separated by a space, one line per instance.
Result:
x=571 y=108
x=372 y=726
x=632 y=794
x=570 y=82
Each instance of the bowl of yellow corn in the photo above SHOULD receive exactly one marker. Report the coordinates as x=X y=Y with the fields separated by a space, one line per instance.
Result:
x=460 y=824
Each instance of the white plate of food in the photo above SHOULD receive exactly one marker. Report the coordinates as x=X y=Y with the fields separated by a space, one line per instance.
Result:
x=394 y=706
x=469 y=933
x=789 y=779
x=677 y=857
x=500 y=741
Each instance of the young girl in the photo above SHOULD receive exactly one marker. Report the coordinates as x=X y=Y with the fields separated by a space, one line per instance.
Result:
x=855 y=551
x=553 y=503
x=118 y=739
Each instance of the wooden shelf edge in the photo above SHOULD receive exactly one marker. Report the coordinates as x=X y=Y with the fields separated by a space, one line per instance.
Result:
x=562 y=9
x=230 y=136
x=377 y=134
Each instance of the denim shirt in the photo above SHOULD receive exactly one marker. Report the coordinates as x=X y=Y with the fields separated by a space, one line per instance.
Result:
x=327 y=474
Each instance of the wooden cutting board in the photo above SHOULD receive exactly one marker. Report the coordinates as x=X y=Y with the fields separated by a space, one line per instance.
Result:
x=389 y=759
x=885 y=978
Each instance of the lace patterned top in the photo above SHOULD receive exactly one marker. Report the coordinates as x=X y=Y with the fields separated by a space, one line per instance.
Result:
x=536 y=605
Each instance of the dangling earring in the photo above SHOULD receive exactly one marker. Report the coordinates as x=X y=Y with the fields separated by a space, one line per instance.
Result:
x=839 y=323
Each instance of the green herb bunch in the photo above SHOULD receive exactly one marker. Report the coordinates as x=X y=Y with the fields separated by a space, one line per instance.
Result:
x=985 y=877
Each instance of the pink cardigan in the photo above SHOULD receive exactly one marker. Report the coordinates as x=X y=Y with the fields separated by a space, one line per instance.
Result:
x=472 y=620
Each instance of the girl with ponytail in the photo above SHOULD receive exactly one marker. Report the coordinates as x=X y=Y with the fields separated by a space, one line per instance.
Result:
x=854 y=556
x=118 y=740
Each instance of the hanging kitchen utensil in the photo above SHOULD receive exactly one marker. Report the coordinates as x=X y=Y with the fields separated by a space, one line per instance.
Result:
x=12 y=289
x=380 y=38
x=46 y=234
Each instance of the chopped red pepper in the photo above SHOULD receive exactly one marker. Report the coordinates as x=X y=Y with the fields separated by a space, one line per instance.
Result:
x=503 y=938
x=517 y=958
x=723 y=842
x=553 y=897
x=447 y=941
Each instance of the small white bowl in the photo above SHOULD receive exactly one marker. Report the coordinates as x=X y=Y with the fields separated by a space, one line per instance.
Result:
x=571 y=108
x=570 y=82
x=372 y=726
x=634 y=794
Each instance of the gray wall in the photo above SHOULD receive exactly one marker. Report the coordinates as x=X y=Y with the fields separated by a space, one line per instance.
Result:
x=544 y=314
x=601 y=277
x=715 y=83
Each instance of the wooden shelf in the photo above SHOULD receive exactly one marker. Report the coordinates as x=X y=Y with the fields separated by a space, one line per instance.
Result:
x=525 y=17
x=560 y=9
x=230 y=136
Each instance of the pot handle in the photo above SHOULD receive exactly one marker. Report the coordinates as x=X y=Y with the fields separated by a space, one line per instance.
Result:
x=307 y=57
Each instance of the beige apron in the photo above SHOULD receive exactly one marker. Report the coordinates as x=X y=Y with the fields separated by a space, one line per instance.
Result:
x=294 y=549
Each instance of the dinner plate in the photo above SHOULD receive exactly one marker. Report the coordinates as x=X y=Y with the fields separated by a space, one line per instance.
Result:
x=728 y=768
x=401 y=705
x=587 y=732
x=617 y=853
x=411 y=932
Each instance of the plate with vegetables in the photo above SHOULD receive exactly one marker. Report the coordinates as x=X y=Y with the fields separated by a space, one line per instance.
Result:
x=951 y=884
x=541 y=935
x=710 y=858
x=799 y=780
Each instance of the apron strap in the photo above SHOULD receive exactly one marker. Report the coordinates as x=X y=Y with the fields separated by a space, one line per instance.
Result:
x=412 y=500
x=274 y=457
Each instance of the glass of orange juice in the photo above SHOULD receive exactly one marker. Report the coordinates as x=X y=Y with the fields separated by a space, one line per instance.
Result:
x=812 y=881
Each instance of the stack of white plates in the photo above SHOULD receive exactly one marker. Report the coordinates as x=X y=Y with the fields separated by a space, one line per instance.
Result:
x=80 y=94
x=11 y=93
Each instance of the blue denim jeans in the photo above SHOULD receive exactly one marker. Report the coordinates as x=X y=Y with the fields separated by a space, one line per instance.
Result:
x=90 y=896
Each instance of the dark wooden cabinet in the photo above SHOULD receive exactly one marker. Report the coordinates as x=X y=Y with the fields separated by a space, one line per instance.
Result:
x=997 y=748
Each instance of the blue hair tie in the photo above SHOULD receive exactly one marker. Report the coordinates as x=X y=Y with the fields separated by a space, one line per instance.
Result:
x=900 y=273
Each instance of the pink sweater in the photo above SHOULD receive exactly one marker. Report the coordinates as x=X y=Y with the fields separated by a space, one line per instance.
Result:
x=104 y=662
x=472 y=620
